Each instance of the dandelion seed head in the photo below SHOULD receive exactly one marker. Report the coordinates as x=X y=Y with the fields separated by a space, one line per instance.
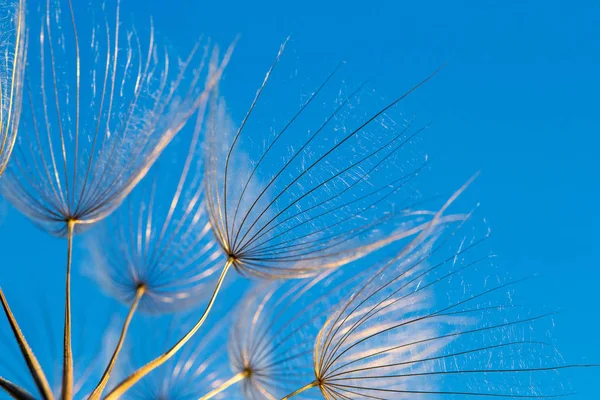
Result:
x=421 y=326
x=274 y=329
x=161 y=237
x=312 y=196
x=96 y=117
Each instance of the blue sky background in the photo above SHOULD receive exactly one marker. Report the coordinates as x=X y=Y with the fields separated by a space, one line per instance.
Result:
x=517 y=100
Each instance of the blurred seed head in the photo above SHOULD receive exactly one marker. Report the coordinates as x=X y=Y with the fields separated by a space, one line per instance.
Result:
x=274 y=329
x=161 y=237
x=194 y=371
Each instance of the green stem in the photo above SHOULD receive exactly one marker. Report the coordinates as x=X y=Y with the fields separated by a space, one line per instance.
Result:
x=126 y=384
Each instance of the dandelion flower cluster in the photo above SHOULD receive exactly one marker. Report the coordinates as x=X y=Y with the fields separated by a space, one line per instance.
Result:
x=358 y=286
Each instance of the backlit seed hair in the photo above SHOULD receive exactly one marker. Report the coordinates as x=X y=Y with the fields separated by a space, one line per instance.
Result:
x=300 y=204
x=327 y=210
x=276 y=325
x=13 y=49
x=100 y=106
x=422 y=327
x=274 y=330
x=160 y=240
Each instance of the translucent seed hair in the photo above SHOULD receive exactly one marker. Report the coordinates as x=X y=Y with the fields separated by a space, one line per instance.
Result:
x=13 y=49
x=101 y=102
x=328 y=183
x=160 y=239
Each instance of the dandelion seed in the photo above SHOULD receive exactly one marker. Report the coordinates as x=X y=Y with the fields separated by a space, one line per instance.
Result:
x=63 y=182
x=172 y=259
x=143 y=101
x=161 y=239
x=158 y=252
x=410 y=331
x=318 y=209
x=270 y=345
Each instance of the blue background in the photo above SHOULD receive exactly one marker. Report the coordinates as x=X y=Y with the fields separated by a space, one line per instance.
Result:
x=517 y=100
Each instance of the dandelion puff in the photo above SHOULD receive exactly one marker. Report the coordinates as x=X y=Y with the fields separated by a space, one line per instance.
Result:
x=270 y=344
x=157 y=252
x=420 y=327
x=160 y=240
x=277 y=323
x=300 y=210
x=146 y=247
x=13 y=49
x=319 y=190
x=100 y=107
x=81 y=151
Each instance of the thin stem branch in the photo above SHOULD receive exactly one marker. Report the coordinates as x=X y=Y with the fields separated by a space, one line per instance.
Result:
x=126 y=384
x=14 y=391
x=32 y=363
x=141 y=290
x=67 y=378
x=302 y=389
x=235 y=379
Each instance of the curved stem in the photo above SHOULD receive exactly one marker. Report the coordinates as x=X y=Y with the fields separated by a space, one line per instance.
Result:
x=32 y=363
x=67 y=378
x=14 y=391
x=122 y=387
x=235 y=379
x=141 y=290
x=302 y=389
